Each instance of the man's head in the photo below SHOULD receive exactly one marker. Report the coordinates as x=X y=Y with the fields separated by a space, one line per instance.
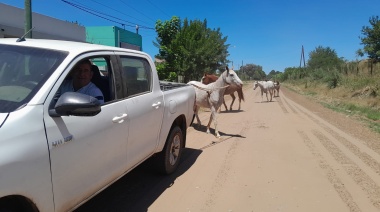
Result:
x=82 y=74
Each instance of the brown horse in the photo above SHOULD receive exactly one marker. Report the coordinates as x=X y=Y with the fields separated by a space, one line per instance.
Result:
x=276 y=88
x=230 y=90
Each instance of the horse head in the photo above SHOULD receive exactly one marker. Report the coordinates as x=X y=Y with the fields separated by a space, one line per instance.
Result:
x=204 y=79
x=231 y=78
x=208 y=78
x=255 y=85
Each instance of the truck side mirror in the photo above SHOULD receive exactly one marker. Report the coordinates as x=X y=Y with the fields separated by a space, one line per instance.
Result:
x=75 y=104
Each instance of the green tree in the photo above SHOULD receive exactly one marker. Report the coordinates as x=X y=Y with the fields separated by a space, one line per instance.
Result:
x=252 y=72
x=273 y=75
x=371 y=39
x=166 y=32
x=194 y=50
x=292 y=73
x=323 y=58
x=325 y=65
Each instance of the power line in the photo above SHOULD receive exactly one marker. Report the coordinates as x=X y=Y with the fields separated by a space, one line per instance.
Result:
x=96 y=13
x=118 y=11
x=158 y=8
x=136 y=10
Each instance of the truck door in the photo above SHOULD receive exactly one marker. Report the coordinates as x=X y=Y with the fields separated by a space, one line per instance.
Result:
x=87 y=153
x=145 y=108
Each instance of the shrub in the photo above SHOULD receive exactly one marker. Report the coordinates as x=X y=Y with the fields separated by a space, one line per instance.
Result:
x=332 y=79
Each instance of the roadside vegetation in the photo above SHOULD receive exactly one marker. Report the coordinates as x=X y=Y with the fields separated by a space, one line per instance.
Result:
x=349 y=87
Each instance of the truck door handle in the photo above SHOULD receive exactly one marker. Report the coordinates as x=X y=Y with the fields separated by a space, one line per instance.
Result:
x=119 y=119
x=156 y=105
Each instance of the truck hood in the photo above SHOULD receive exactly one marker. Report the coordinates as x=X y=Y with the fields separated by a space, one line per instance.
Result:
x=3 y=117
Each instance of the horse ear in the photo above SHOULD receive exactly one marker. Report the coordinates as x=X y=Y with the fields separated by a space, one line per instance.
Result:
x=227 y=69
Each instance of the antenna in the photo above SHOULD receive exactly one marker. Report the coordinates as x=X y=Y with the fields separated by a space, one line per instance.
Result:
x=22 y=38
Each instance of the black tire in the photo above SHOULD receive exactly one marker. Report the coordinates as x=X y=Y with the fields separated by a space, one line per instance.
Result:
x=9 y=204
x=170 y=156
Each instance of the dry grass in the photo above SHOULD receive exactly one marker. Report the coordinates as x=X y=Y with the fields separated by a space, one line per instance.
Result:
x=354 y=97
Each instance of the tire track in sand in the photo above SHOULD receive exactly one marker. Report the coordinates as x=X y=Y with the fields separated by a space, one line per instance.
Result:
x=352 y=169
x=331 y=175
x=223 y=172
x=363 y=156
x=282 y=105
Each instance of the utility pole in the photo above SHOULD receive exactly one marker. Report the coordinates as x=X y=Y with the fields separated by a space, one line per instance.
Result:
x=302 y=58
x=28 y=18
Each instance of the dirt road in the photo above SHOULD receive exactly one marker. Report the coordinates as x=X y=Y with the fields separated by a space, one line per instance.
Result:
x=286 y=155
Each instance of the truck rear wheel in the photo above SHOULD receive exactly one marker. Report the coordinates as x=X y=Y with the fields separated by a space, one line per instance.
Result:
x=16 y=204
x=169 y=157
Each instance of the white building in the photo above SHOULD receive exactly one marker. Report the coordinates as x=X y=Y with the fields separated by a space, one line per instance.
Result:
x=12 y=24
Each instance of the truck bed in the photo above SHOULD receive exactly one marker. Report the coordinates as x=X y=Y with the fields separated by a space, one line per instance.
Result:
x=165 y=85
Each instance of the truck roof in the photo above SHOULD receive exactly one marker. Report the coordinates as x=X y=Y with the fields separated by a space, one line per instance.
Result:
x=69 y=46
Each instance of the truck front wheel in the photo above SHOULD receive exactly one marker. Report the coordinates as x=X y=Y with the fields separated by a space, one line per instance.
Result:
x=171 y=154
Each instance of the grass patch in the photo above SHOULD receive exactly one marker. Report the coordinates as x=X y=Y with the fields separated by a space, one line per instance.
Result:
x=368 y=115
x=349 y=108
x=311 y=93
x=375 y=127
x=364 y=111
x=373 y=115
x=336 y=108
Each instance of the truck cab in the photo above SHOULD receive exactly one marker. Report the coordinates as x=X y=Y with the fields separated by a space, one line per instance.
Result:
x=58 y=150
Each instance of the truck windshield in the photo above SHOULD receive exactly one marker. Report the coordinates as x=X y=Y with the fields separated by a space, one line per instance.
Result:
x=23 y=70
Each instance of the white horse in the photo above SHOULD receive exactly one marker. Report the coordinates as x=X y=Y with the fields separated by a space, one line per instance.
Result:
x=230 y=90
x=265 y=87
x=211 y=95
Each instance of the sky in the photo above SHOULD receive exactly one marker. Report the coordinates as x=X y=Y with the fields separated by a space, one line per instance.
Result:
x=268 y=33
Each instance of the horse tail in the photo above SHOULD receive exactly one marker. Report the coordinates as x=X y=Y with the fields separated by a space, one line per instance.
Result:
x=240 y=94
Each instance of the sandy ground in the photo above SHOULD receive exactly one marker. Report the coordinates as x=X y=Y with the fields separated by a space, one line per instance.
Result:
x=290 y=154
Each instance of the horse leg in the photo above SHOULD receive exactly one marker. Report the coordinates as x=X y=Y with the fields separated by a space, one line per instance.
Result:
x=240 y=95
x=233 y=100
x=196 y=116
x=213 y=115
x=270 y=94
x=224 y=103
x=209 y=123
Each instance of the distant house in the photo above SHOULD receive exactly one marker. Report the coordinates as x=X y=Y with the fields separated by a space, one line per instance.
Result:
x=114 y=36
x=157 y=60
x=12 y=21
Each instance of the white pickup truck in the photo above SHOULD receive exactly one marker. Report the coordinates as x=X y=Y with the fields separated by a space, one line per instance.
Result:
x=58 y=152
